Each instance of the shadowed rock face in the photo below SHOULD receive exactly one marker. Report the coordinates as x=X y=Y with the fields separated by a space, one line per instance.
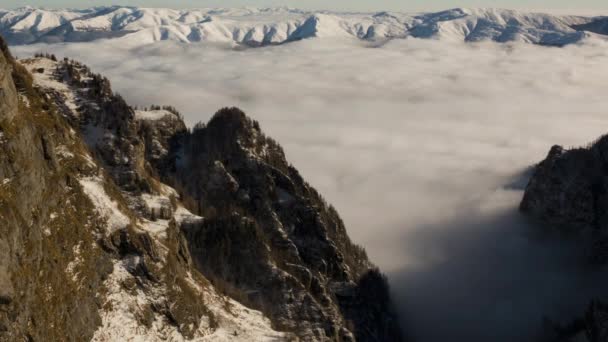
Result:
x=599 y=26
x=561 y=191
x=271 y=239
x=568 y=194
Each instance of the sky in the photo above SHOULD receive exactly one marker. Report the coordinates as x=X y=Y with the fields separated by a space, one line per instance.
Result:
x=343 y=5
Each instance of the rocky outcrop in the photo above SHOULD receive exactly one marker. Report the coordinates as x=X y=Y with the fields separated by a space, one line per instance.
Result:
x=270 y=239
x=153 y=223
x=568 y=192
x=162 y=134
x=106 y=121
x=568 y=195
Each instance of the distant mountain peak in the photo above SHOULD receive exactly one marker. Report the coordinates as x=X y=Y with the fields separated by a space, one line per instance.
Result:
x=275 y=25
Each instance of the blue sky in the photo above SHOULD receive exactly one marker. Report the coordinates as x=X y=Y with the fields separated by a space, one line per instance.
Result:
x=356 y=5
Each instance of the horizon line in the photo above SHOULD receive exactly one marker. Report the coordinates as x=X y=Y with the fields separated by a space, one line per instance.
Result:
x=555 y=11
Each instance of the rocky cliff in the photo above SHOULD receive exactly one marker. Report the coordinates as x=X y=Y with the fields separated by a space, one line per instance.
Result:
x=41 y=236
x=568 y=196
x=568 y=192
x=119 y=223
x=271 y=238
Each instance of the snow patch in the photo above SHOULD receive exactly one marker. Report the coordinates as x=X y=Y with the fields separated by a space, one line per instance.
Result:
x=157 y=228
x=89 y=160
x=43 y=70
x=71 y=267
x=238 y=323
x=156 y=203
x=118 y=314
x=63 y=152
x=105 y=206
x=152 y=114
x=183 y=215
x=25 y=100
x=168 y=191
x=125 y=302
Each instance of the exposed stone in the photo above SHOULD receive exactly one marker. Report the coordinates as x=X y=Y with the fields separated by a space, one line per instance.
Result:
x=8 y=92
x=39 y=299
x=268 y=232
x=568 y=192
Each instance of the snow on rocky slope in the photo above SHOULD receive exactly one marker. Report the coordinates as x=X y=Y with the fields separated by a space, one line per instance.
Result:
x=257 y=27
x=146 y=294
x=174 y=226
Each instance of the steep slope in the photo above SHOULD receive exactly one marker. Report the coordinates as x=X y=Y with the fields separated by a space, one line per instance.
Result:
x=27 y=24
x=40 y=236
x=258 y=27
x=568 y=195
x=240 y=225
x=81 y=259
x=269 y=236
x=473 y=25
x=597 y=25
x=568 y=190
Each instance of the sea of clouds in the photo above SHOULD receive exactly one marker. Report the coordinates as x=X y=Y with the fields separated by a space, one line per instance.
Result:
x=423 y=146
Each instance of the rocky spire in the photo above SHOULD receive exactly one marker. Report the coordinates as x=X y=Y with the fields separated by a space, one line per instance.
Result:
x=270 y=239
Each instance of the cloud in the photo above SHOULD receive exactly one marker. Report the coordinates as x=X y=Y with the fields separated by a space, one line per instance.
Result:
x=486 y=274
x=413 y=142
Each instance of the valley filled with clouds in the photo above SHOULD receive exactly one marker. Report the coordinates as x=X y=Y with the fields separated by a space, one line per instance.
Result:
x=423 y=147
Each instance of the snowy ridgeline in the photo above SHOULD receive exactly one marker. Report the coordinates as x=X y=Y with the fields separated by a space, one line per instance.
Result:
x=257 y=27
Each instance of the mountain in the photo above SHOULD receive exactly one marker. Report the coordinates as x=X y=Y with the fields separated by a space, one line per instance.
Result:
x=597 y=25
x=568 y=191
x=120 y=223
x=258 y=27
x=568 y=195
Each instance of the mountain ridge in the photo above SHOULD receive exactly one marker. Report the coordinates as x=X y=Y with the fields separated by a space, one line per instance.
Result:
x=268 y=26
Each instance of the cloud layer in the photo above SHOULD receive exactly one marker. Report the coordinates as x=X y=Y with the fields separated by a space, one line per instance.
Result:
x=415 y=142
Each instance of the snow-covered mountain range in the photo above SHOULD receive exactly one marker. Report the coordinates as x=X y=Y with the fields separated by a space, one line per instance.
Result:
x=257 y=27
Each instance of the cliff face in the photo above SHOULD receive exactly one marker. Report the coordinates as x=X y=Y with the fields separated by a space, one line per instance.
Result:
x=271 y=239
x=568 y=192
x=568 y=195
x=8 y=93
x=43 y=240
x=118 y=223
